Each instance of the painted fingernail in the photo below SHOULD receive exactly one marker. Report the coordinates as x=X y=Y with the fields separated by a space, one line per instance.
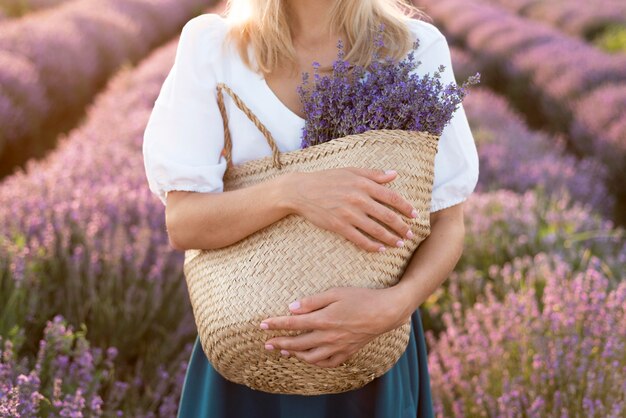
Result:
x=294 y=305
x=409 y=234
x=264 y=325
x=390 y=171
x=381 y=248
x=269 y=347
x=414 y=213
x=400 y=243
x=284 y=352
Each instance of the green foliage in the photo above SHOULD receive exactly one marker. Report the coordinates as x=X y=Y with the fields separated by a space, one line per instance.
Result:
x=612 y=39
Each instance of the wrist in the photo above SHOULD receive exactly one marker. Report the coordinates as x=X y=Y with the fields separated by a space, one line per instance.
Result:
x=399 y=306
x=285 y=186
x=403 y=303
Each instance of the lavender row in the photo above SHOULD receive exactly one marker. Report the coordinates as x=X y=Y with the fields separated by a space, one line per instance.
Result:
x=579 y=17
x=517 y=158
x=503 y=225
x=544 y=72
x=53 y=62
x=597 y=131
x=17 y=8
x=563 y=68
x=552 y=346
x=83 y=237
x=599 y=126
x=514 y=157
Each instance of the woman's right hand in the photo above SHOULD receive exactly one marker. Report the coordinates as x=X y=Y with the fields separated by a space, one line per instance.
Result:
x=341 y=199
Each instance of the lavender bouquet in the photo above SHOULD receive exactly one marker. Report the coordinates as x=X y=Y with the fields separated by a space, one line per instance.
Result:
x=386 y=95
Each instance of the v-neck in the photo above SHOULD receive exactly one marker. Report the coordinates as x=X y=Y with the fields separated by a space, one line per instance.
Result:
x=293 y=115
x=271 y=93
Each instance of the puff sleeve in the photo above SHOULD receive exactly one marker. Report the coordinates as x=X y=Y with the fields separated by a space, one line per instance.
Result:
x=456 y=162
x=184 y=136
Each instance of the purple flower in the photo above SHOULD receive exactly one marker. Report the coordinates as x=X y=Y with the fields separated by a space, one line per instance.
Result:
x=385 y=95
x=515 y=157
x=536 y=342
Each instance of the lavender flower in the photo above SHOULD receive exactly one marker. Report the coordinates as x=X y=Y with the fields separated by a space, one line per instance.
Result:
x=79 y=244
x=53 y=63
x=575 y=17
x=551 y=346
x=593 y=129
x=386 y=95
x=547 y=74
x=64 y=380
x=515 y=157
x=502 y=226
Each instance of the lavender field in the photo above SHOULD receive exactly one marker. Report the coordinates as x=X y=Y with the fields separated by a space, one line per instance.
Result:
x=95 y=318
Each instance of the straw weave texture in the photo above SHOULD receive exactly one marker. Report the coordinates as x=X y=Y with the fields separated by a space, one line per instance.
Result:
x=232 y=289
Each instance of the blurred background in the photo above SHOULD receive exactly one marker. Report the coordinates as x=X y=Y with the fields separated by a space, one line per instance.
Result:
x=95 y=318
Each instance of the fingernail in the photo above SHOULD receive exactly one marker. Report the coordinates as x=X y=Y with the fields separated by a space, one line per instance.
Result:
x=414 y=213
x=390 y=171
x=269 y=347
x=294 y=305
x=400 y=243
x=264 y=325
x=381 y=248
x=284 y=352
x=409 y=234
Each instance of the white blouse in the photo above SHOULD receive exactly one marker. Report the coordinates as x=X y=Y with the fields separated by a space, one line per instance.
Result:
x=184 y=136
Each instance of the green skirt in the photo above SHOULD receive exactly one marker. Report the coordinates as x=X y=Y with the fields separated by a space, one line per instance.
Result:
x=402 y=392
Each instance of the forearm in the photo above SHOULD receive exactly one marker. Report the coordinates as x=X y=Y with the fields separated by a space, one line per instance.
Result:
x=432 y=261
x=215 y=220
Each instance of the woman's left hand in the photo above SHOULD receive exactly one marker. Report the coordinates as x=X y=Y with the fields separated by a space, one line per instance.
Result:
x=340 y=321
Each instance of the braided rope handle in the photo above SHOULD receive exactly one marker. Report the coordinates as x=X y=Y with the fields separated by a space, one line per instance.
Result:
x=241 y=105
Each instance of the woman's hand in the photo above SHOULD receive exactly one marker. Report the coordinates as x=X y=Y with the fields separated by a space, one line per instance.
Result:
x=341 y=199
x=340 y=321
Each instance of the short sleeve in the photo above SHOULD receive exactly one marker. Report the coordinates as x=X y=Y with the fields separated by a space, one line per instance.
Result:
x=184 y=136
x=456 y=162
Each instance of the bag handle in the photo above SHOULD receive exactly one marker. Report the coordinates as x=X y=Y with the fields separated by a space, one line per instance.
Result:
x=227 y=152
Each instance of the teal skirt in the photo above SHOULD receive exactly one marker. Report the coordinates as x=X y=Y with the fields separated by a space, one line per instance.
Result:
x=402 y=392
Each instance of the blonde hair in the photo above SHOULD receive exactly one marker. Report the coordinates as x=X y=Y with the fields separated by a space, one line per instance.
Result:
x=263 y=25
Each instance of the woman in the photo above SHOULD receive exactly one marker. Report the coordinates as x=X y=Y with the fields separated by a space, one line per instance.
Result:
x=273 y=42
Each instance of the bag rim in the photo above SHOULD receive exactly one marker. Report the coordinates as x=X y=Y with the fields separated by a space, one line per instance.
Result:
x=301 y=155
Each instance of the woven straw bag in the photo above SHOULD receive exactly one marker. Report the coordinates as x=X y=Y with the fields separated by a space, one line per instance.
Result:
x=232 y=289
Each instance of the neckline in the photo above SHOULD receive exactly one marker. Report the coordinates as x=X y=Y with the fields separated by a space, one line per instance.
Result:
x=293 y=114
x=268 y=89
